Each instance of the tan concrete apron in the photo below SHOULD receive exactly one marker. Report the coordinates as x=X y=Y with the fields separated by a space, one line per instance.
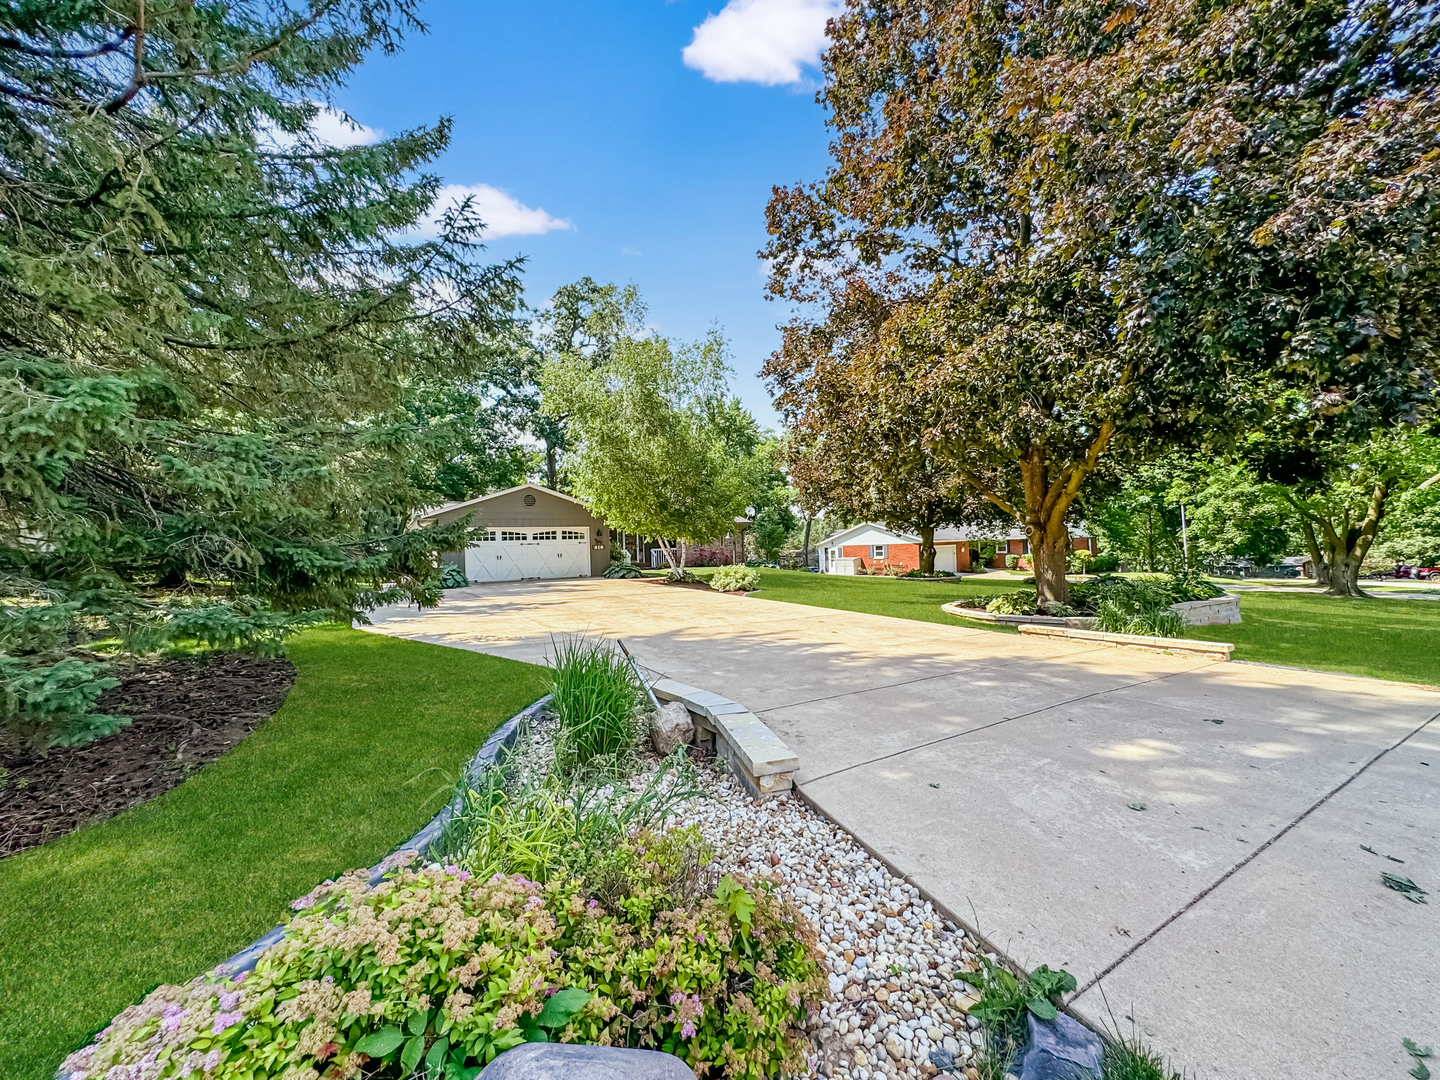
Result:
x=1189 y=833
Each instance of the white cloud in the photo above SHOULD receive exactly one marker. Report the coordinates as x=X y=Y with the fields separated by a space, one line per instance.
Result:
x=502 y=213
x=763 y=41
x=333 y=128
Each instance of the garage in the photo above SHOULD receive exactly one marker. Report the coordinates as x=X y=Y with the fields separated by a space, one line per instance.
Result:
x=528 y=532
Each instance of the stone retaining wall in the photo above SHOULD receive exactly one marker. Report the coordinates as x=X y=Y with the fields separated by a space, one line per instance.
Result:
x=756 y=755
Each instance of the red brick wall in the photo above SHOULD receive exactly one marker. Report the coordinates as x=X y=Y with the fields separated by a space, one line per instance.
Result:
x=906 y=555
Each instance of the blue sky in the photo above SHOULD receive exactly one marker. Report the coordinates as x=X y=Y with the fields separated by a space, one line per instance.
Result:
x=631 y=140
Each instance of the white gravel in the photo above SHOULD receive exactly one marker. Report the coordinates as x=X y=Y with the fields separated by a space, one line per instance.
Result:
x=894 y=999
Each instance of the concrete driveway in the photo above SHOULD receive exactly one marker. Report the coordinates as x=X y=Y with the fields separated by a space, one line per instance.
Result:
x=1184 y=836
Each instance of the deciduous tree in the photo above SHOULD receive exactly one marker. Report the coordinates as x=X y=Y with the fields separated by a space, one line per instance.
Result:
x=1105 y=231
x=653 y=455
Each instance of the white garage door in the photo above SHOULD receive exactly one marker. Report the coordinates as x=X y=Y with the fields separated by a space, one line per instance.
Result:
x=512 y=554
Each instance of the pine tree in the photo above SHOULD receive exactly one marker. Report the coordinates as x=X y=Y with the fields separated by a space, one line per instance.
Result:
x=210 y=321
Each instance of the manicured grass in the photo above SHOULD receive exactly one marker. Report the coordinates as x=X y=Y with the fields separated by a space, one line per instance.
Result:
x=919 y=600
x=161 y=893
x=1384 y=639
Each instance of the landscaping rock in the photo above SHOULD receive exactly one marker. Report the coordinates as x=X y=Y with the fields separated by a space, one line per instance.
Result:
x=670 y=726
x=1061 y=1049
x=572 y=1061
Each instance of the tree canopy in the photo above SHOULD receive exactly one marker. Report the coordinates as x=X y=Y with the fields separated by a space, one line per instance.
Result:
x=1102 y=233
x=212 y=323
x=663 y=450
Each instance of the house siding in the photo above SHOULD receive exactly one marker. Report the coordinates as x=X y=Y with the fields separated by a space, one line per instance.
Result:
x=550 y=511
x=906 y=555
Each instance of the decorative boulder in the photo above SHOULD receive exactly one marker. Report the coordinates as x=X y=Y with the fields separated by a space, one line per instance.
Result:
x=1061 y=1049
x=573 y=1061
x=671 y=726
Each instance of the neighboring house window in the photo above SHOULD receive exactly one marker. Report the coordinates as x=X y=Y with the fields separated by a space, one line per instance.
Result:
x=544 y=534
x=877 y=551
x=572 y=534
x=507 y=534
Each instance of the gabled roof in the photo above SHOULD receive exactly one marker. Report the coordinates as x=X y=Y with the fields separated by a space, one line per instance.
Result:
x=900 y=537
x=445 y=508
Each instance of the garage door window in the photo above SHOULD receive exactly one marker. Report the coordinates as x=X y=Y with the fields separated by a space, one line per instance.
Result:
x=544 y=534
x=508 y=534
x=572 y=534
x=488 y=537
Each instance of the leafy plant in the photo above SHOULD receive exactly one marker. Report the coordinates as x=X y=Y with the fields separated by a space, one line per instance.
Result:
x=1004 y=999
x=622 y=570
x=596 y=698
x=544 y=827
x=735 y=579
x=452 y=577
x=1013 y=603
x=1119 y=617
x=448 y=969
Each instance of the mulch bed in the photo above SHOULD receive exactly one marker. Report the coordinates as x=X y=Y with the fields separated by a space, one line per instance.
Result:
x=702 y=585
x=184 y=714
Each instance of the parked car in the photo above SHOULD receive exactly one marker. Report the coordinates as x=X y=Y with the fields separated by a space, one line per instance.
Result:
x=1428 y=573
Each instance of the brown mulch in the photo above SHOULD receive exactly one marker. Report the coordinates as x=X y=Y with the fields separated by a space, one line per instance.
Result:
x=703 y=585
x=184 y=714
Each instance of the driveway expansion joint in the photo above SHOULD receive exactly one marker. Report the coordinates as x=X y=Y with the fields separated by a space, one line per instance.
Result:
x=982 y=727
x=1203 y=893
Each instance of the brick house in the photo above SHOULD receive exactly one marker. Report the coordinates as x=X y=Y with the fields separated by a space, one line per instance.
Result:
x=871 y=547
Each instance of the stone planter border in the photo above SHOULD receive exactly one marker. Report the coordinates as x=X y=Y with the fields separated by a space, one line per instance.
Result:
x=1214 y=650
x=1075 y=622
x=758 y=757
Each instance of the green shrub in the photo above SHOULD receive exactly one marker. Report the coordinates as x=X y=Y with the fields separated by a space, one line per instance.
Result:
x=622 y=570
x=1056 y=610
x=1013 y=603
x=450 y=969
x=1104 y=563
x=1012 y=561
x=597 y=700
x=545 y=826
x=452 y=577
x=1117 y=617
x=735 y=579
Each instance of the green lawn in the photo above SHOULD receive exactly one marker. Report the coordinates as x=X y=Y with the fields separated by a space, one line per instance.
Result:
x=918 y=600
x=161 y=893
x=1385 y=639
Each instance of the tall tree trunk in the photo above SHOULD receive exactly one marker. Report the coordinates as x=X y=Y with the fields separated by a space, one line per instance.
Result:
x=674 y=552
x=1046 y=505
x=805 y=544
x=927 y=549
x=1318 y=559
x=552 y=469
x=1347 y=545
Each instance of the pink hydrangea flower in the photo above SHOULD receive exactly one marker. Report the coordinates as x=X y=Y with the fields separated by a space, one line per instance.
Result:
x=223 y=1021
